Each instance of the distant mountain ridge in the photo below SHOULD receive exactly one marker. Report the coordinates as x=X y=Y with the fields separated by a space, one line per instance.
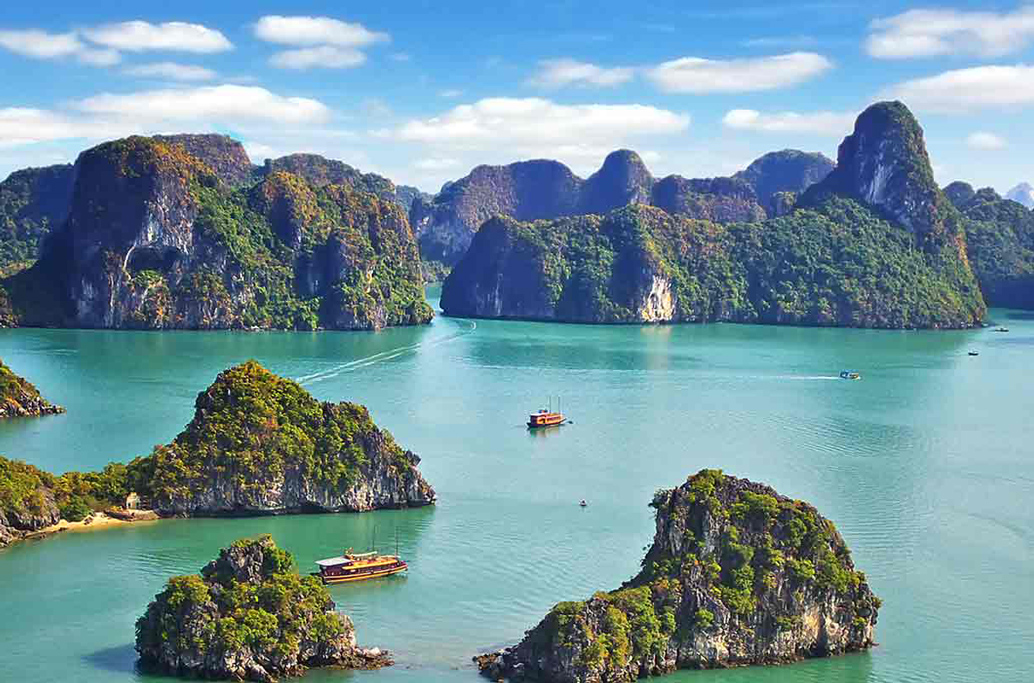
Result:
x=1022 y=193
x=545 y=189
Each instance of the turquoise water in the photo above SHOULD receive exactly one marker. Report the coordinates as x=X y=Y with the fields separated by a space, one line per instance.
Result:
x=925 y=465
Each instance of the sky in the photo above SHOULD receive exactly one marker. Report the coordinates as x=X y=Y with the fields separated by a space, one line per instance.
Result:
x=422 y=92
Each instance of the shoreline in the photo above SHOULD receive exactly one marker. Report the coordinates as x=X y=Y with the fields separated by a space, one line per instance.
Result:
x=95 y=522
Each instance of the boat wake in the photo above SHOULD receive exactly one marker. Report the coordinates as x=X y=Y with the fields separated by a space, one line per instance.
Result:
x=377 y=358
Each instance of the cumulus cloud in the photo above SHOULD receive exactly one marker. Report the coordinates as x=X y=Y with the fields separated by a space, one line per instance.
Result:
x=697 y=75
x=559 y=73
x=315 y=31
x=539 y=123
x=140 y=36
x=933 y=32
x=822 y=122
x=24 y=126
x=38 y=44
x=436 y=164
x=962 y=90
x=320 y=42
x=985 y=141
x=323 y=57
x=229 y=103
x=172 y=71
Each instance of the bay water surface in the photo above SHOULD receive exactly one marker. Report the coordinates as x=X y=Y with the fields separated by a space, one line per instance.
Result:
x=925 y=466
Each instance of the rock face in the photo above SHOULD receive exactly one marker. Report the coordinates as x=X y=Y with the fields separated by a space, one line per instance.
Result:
x=833 y=258
x=737 y=575
x=260 y=444
x=156 y=238
x=27 y=502
x=222 y=154
x=788 y=170
x=533 y=190
x=1022 y=193
x=249 y=616
x=320 y=172
x=1000 y=239
x=33 y=202
x=19 y=398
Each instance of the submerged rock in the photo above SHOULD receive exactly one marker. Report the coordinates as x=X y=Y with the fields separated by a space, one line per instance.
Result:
x=249 y=616
x=261 y=444
x=737 y=575
x=19 y=398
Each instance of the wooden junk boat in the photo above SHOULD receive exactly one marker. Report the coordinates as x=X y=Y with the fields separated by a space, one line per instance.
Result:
x=547 y=417
x=358 y=567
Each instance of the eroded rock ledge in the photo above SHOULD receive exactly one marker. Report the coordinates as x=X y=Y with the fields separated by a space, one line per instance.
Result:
x=737 y=575
x=19 y=398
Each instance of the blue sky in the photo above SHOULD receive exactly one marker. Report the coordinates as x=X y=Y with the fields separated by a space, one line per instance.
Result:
x=423 y=91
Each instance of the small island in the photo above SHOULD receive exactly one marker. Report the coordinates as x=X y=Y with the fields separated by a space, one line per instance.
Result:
x=248 y=616
x=737 y=575
x=259 y=444
x=19 y=398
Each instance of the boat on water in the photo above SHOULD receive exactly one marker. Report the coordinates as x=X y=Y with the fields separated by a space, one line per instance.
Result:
x=974 y=353
x=547 y=417
x=351 y=566
x=850 y=374
x=1001 y=329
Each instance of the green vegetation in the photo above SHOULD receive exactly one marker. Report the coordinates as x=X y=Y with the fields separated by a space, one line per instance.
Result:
x=33 y=202
x=232 y=615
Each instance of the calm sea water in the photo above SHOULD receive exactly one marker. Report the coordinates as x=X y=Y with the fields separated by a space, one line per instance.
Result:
x=925 y=466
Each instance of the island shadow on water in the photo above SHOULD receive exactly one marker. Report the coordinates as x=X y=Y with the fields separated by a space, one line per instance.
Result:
x=120 y=659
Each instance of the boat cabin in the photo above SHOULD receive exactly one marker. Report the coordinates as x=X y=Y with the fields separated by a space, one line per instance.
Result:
x=545 y=418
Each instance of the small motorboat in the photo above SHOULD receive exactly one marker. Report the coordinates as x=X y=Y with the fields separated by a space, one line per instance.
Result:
x=582 y=504
x=1001 y=329
x=974 y=353
x=850 y=374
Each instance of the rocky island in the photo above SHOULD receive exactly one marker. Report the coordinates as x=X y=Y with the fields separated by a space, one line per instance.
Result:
x=180 y=232
x=259 y=444
x=248 y=616
x=874 y=244
x=19 y=398
x=737 y=575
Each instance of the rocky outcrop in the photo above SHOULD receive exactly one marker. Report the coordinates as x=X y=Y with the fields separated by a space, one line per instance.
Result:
x=319 y=171
x=533 y=190
x=19 y=398
x=959 y=193
x=27 y=501
x=788 y=170
x=737 y=575
x=248 y=616
x=260 y=444
x=33 y=202
x=1022 y=193
x=157 y=239
x=223 y=155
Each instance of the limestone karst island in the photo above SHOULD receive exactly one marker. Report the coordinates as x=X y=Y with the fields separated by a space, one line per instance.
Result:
x=532 y=342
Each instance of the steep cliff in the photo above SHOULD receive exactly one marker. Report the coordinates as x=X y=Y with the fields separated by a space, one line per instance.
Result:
x=223 y=155
x=260 y=444
x=19 y=398
x=787 y=170
x=1000 y=239
x=33 y=202
x=533 y=190
x=248 y=616
x=156 y=239
x=737 y=575
x=833 y=259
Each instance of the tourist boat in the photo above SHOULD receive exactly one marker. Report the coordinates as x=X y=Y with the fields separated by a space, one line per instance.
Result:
x=358 y=567
x=547 y=417
x=847 y=374
x=974 y=353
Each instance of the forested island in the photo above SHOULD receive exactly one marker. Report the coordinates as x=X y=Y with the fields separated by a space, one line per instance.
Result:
x=874 y=244
x=19 y=398
x=248 y=616
x=258 y=444
x=736 y=575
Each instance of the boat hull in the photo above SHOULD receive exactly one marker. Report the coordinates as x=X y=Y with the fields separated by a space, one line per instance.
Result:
x=328 y=579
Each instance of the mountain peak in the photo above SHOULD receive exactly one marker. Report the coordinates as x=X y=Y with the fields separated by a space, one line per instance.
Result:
x=623 y=179
x=1022 y=193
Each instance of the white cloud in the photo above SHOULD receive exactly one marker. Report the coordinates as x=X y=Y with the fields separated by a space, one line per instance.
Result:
x=304 y=31
x=139 y=36
x=696 y=75
x=227 y=103
x=42 y=45
x=962 y=90
x=25 y=126
x=933 y=32
x=436 y=164
x=985 y=141
x=322 y=57
x=450 y=93
x=172 y=71
x=258 y=152
x=558 y=73
x=501 y=130
x=822 y=122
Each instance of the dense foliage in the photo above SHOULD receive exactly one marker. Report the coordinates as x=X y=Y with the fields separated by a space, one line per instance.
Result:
x=33 y=202
x=250 y=604
x=837 y=264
